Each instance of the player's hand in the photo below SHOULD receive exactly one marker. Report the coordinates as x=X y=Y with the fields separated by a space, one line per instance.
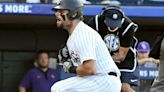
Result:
x=152 y=60
x=156 y=61
x=63 y=55
x=67 y=65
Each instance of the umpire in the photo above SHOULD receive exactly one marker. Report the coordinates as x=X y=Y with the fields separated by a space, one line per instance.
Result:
x=118 y=32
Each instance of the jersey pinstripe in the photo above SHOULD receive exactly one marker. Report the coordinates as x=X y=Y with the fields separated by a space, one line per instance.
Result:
x=85 y=44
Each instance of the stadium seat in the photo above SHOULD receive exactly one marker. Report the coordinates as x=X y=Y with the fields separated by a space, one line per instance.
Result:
x=7 y=1
x=128 y=1
x=154 y=2
x=95 y=0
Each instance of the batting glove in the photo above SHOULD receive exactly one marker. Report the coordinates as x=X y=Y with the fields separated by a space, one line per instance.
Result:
x=67 y=65
x=63 y=55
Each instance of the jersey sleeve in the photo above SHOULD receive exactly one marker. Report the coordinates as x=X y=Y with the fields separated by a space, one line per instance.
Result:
x=26 y=81
x=127 y=39
x=87 y=48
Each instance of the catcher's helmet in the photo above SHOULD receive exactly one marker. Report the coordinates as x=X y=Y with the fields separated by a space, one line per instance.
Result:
x=113 y=16
x=72 y=6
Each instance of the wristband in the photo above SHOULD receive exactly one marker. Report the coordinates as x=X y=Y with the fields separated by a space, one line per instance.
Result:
x=72 y=69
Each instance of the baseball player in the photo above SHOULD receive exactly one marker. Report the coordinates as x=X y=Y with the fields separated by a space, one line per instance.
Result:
x=89 y=56
x=118 y=31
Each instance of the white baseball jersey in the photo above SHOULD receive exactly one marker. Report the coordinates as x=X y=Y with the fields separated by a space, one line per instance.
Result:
x=86 y=44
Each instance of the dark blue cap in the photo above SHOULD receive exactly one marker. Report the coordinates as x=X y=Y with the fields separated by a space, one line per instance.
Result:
x=113 y=18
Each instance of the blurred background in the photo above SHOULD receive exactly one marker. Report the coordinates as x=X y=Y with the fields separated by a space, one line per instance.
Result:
x=29 y=25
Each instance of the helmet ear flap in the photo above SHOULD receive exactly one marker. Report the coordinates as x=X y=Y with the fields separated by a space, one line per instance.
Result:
x=76 y=14
x=70 y=15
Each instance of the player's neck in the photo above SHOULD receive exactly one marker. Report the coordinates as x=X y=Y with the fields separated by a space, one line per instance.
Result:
x=73 y=26
x=44 y=69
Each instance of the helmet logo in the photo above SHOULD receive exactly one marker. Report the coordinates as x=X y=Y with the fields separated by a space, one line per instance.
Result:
x=115 y=16
x=143 y=46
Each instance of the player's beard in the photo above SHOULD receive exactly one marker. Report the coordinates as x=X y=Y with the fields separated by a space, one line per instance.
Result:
x=59 y=23
x=60 y=27
x=42 y=67
x=63 y=26
x=63 y=23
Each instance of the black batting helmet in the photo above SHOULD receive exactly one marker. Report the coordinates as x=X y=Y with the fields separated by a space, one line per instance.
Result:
x=113 y=15
x=73 y=6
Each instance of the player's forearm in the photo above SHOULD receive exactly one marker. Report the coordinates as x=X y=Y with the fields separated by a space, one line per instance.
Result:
x=119 y=57
x=142 y=61
x=87 y=68
x=21 y=89
x=85 y=72
x=121 y=54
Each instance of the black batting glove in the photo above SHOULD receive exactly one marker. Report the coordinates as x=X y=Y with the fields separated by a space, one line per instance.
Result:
x=63 y=55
